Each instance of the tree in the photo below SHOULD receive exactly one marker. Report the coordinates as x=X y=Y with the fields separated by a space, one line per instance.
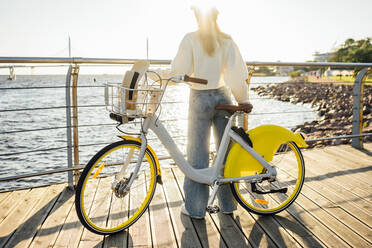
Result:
x=264 y=70
x=354 y=51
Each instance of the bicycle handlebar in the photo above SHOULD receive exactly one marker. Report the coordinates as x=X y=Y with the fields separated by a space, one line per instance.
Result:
x=194 y=80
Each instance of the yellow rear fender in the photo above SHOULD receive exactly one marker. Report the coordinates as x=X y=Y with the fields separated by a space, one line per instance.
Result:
x=266 y=140
x=126 y=137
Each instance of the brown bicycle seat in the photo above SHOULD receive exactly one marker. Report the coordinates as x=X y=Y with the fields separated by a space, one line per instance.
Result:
x=247 y=108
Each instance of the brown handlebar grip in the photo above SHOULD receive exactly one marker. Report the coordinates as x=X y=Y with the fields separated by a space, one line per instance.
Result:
x=195 y=80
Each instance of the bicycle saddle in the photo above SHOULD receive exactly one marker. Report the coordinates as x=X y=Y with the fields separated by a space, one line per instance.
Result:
x=247 y=107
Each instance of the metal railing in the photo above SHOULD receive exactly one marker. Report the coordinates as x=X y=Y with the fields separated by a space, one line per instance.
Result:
x=72 y=107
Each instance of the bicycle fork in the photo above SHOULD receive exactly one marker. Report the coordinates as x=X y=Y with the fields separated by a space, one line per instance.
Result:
x=120 y=185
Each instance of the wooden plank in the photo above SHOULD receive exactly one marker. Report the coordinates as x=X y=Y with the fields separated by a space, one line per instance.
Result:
x=337 y=227
x=256 y=236
x=161 y=225
x=274 y=230
x=299 y=232
x=4 y=195
x=316 y=173
x=301 y=211
x=230 y=232
x=140 y=232
x=26 y=232
x=20 y=212
x=348 y=184
x=207 y=231
x=347 y=226
x=325 y=183
x=338 y=166
x=185 y=232
x=296 y=229
x=71 y=231
x=115 y=240
x=100 y=206
x=49 y=231
x=343 y=199
x=315 y=226
x=9 y=204
x=279 y=235
x=362 y=171
x=338 y=213
x=360 y=157
x=341 y=215
x=353 y=152
x=119 y=210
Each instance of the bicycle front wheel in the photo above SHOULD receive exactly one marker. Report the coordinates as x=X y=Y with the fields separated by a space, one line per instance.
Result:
x=264 y=198
x=103 y=203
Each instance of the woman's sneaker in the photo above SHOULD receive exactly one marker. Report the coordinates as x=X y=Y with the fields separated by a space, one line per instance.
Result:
x=185 y=212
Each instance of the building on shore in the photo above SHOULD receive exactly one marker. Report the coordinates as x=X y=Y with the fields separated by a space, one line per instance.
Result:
x=283 y=70
x=345 y=72
x=321 y=57
x=324 y=57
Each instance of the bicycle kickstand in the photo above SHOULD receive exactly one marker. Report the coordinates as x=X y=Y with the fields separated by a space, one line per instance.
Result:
x=213 y=208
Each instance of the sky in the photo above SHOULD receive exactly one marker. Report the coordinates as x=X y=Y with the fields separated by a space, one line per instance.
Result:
x=264 y=30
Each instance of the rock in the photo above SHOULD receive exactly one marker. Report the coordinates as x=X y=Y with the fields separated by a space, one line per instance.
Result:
x=334 y=104
x=322 y=112
x=366 y=111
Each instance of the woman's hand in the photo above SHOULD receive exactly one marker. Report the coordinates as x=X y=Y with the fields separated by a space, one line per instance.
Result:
x=246 y=107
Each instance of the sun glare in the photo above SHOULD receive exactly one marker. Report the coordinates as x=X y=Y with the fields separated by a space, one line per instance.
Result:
x=203 y=6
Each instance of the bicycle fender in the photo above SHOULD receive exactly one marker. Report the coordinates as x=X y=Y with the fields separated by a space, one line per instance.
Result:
x=127 y=137
x=266 y=140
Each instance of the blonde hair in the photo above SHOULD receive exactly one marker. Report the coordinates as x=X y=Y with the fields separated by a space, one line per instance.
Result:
x=209 y=32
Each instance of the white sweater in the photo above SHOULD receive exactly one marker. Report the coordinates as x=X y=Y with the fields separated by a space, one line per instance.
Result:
x=225 y=67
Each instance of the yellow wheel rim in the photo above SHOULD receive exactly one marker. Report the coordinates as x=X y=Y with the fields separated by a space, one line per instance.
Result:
x=100 y=164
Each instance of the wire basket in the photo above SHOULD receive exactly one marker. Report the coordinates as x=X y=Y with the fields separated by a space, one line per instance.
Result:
x=134 y=103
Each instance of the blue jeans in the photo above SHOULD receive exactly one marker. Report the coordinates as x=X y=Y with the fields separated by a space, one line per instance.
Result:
x=202 y=115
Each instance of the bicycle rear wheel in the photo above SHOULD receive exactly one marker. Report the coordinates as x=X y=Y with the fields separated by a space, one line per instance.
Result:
x=288 y=157
x=103 y=203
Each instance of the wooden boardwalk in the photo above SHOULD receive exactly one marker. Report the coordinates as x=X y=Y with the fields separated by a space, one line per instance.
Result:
x=334 y=210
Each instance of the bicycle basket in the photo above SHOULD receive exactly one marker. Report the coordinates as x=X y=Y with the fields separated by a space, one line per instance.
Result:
x=135 y=103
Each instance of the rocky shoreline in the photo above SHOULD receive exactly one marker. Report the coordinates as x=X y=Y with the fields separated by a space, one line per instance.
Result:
x=333 y=102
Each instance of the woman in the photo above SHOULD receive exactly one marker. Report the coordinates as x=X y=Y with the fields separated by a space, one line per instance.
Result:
x=210 y=54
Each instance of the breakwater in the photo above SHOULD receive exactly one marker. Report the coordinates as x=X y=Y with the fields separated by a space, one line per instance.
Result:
x=333 y=102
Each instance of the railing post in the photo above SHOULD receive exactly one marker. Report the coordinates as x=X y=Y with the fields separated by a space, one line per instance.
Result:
x=75 y=124
x=12 y=75
x=358 y=107
x=248 y=81
x=68 y=125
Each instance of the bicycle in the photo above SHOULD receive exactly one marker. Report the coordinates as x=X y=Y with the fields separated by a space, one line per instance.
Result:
x=118 y=183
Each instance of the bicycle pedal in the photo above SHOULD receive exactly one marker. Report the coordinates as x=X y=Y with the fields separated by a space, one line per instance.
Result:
x=213 y=209
x=257 y=191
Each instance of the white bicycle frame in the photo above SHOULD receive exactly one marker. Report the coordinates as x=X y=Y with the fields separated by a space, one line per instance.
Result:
x=212 y=175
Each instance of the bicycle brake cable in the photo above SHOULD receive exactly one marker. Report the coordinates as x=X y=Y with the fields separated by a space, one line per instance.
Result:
x=124 y=132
